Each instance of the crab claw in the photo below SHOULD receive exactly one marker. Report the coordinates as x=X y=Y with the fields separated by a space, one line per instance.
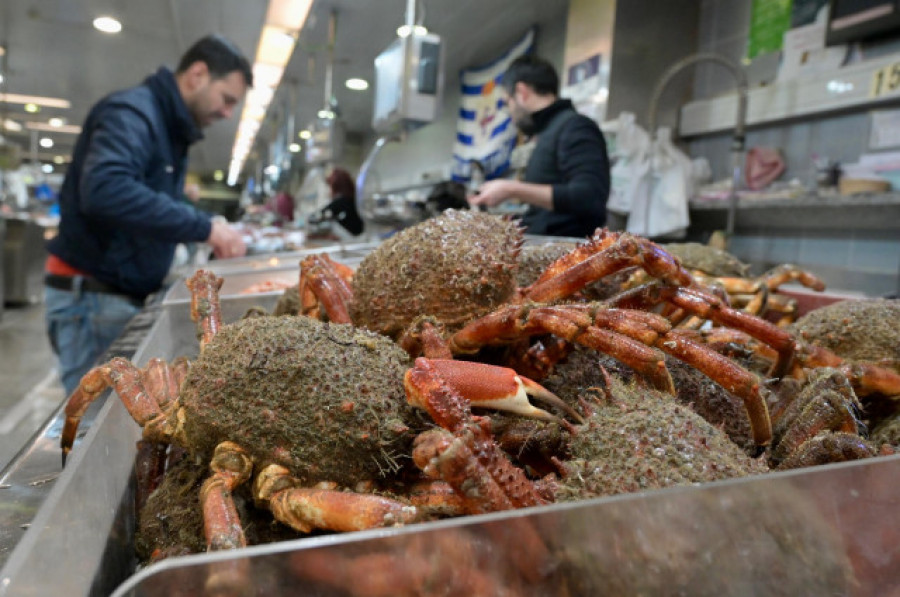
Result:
x=485 y=386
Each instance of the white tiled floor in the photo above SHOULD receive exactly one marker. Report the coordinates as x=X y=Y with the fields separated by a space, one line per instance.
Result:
x=29 y=385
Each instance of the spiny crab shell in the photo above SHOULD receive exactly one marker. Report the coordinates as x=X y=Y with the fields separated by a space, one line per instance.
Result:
x=455 y=267
x=325 y=400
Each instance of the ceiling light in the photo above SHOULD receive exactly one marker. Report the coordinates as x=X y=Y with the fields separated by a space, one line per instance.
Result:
x=37 y=100
x=218 y=175
x=107 y=25
x=47 y=168
x=56 y=122
x=304 y=134
x=58 y=159
x=2 y=50
x=1 y=77
x=289 y=14
x=325 y=114
x=357 y=84
x=32 y=108
x=403 y=30
x=12 y=125
x=46 y=142
x=294 y=147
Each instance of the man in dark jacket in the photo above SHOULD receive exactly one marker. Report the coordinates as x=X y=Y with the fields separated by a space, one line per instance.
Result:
x=566 y=181
x=121 y=211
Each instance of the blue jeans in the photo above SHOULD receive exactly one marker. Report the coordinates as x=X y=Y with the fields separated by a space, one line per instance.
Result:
x=81 y=326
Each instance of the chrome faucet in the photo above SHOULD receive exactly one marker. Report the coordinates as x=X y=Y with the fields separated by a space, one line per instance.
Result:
x=737 y=143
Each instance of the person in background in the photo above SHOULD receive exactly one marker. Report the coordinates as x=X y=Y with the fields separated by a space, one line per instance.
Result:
x=447 y=194
x=566 y=180
x=342 y=208
x=122 y=210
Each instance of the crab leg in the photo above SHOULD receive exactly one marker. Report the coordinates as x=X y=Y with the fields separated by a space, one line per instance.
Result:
x=498 y=388
x=626 y=341
x=120 y=374
x=605 y=253
x=305 y=509
x=425 y=387
x=205 y=309
x=327 y=283
x=711 y=307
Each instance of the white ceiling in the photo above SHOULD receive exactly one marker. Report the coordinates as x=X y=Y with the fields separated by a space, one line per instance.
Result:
x=53 y=50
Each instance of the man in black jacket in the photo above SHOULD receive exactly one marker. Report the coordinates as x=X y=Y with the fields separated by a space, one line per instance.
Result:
x=121 y=208
x=566 y=181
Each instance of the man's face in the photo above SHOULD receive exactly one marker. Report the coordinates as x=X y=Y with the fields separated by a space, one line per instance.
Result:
x=521 y=116
x=211 y=99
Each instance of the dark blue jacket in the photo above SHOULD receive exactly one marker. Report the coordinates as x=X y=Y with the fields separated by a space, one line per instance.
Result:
x=570 y=154
x=121 y=215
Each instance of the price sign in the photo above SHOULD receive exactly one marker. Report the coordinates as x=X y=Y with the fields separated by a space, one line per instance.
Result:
x=885 y=80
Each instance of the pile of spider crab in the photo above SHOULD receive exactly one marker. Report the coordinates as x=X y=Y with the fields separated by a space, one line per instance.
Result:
x=434 y=381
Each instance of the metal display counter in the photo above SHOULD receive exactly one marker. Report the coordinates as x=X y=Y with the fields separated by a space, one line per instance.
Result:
x=828 y=529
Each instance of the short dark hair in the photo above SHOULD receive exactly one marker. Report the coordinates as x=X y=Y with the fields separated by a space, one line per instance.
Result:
x=535 y=72
x=221 y=57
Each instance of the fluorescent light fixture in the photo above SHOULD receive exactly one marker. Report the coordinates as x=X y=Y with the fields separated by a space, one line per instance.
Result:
x=32 y=108
x=277 y=40
x=58 y=159
x=304 y=134
x=294 y=147
x=325 y=114
x=12 y=126
x=218 y=175
x=37 y=100
x=70 y=129
x=289 y=14
x=107 y=24
x=46 y=142
x=403 y=30
x=56 y=122
x=1 y=77
x=47 y=168
x=357 y=84
x=275 y=46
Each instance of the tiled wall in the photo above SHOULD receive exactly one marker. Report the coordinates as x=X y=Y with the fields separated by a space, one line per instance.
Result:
x=852 y=258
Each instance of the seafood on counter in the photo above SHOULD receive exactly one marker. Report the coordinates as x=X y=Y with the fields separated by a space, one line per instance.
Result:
x=328 y=417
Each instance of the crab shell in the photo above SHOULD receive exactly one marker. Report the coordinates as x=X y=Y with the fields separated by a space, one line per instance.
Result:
x=455 y=267
x=324 y=400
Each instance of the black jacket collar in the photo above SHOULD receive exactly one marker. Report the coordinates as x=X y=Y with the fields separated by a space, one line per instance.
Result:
x=178 y=119
x=542 y=117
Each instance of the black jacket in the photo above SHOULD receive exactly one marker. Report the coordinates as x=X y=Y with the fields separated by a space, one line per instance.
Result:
x=121 y=212
x=570 y=155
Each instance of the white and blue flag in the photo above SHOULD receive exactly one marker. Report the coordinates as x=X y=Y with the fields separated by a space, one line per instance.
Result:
x=485 y=132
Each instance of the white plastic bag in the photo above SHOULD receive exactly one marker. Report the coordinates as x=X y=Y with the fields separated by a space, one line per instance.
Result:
x=629 y=174
x=664 y=210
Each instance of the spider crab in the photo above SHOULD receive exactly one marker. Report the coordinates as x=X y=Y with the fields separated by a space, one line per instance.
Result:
x=301 y=407
x=447 y=287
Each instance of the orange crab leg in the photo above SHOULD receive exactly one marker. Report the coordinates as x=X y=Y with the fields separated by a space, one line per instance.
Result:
x=122 y=375
x=726 y=373
x=426 y=388
x=626 y=341
x=306 y=509
x=498 y=388
x=709 y=306
x=205 y=309
x=221 y=524
x=329 y=283
x=602 y=255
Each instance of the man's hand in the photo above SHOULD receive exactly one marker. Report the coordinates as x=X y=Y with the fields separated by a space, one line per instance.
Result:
x=226 y=241
x=492 y=193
